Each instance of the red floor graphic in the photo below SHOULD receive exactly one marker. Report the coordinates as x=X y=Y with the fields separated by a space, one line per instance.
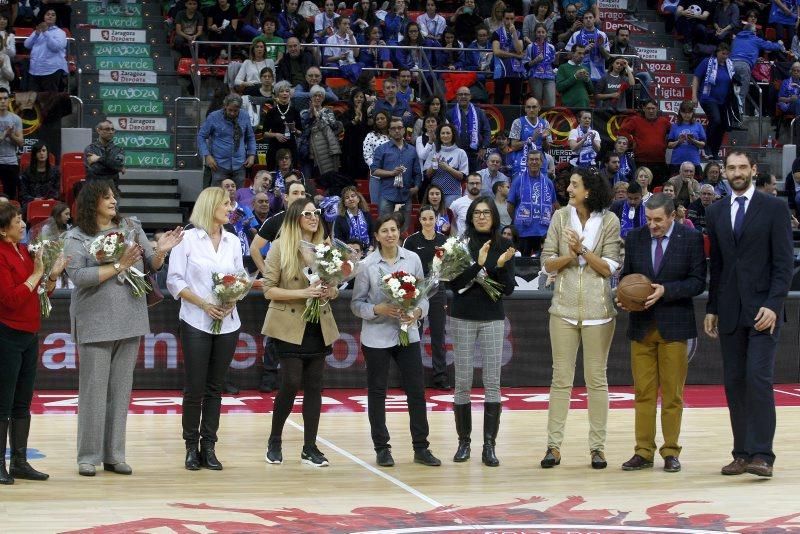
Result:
x=355 y=400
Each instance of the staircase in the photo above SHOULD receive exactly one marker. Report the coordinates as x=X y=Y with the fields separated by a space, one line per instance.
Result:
x=128 y=77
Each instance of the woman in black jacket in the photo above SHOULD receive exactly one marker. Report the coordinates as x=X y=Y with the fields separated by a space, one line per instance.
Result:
x=475 y=316
x=357 y=121
x=40 y=180
x=354 y=220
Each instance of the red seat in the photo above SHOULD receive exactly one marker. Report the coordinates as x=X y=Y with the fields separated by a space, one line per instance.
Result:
x=23 y=32
x=71 y=156
x=363 y=188
x=72 y=172
x=658 y=189
x=39 y=210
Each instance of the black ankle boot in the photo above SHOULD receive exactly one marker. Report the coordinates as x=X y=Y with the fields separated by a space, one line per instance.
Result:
x=491 y=423
x=208 y=457
x=192 y=462
x=19 y=466
x=463 y=413
x=5 y=478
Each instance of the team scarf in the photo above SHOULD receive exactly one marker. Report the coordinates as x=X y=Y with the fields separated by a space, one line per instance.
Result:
x=543 y=69
x=515 y=67
x=540 y=124
x=472 y=124
x=711 y=74
x=538 y=203
x=358 y=227
x=628 y=223
x=624 y=168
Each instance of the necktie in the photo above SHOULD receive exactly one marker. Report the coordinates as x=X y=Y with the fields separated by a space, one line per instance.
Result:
x=738 y=223
x=659 y=254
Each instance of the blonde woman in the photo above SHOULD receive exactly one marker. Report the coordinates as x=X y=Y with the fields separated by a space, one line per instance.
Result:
x=644 y=177
x=301 y=346
x=205 y=249
x=582 y=250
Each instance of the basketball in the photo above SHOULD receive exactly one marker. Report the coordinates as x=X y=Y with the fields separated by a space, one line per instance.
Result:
x=633 y=290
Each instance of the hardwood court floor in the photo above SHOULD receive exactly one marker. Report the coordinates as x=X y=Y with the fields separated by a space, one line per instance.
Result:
x=353 y=495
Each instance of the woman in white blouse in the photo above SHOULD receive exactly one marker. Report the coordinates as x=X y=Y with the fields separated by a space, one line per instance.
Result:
x=250 y=72
x=426 y=143
x=206 y=248
x=373 y=140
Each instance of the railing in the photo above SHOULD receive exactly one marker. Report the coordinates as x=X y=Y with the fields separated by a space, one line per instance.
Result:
x=179 y=127
x=79 y=103
x=760 y=107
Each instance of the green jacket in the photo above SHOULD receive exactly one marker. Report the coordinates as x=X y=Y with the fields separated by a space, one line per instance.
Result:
x=574 y=92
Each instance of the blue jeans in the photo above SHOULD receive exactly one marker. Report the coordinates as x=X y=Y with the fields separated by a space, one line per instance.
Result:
x=237 y=175
x=375 y=191
x=387 y=206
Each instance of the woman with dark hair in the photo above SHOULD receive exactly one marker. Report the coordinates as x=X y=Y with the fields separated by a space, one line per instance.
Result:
x=40 y=180
x=253 y=19
x=363 y=19
x=424 y=243
x=613 y=89
x=249 y=74
x=434 y=197
x=582 y=250
x=380 y=342
x=541 y=13
x=301 y=346
x=378 y=136
x=48 y=61
x=686 y=138
x=426 y=143
x=448 y=165
x=712 y=87
x=412 y=59
x=354 y=220
x=20 y=278
x=433 y=105
x=280 y=123
x=540 y=58
x=451 y=56
x=108 y=322
x=510 y=232
x=477 y=317
x=265 y=88
x=288 y=19
x=357 y=122
x=376 y=56
x=712 y=174
x=395 y=24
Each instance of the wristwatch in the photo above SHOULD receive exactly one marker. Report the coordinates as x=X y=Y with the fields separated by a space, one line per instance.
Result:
x=117 y=267
x=583 y=251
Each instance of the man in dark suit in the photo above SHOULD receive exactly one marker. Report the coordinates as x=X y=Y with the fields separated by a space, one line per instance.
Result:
x=671 y=256
x=751 y=272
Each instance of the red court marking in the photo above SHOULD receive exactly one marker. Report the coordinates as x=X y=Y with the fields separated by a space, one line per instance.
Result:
x=355 y=400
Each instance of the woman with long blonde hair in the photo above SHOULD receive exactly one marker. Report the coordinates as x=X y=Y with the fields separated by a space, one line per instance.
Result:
x=300 y=345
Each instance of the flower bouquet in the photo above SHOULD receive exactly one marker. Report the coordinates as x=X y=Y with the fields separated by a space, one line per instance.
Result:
x=453 y=258
x=227 y=289
x=109 y=248
x=51 y=250
x=329 y=263
x=405 y=291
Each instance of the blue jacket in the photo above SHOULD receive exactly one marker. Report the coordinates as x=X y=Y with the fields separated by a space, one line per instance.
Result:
x=216 y=138
x=747 y=46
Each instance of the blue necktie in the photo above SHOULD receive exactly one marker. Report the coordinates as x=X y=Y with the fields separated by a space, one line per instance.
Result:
x=738 y=222
x=659 y=255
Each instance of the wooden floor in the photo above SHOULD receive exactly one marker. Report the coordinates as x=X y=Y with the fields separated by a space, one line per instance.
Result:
x=353 y=495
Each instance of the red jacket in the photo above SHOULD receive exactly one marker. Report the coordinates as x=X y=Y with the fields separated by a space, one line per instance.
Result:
x=649 y=138
x=19 y=306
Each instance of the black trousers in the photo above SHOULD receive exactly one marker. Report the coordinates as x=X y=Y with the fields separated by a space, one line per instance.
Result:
x=748 y=363
x=18 y=355
x=529 y=245
x=299 y=373
x=10 y=177
x=515 y=91
x=206 y=359
x=437 y=316
x=409 y=362
x=55 y=82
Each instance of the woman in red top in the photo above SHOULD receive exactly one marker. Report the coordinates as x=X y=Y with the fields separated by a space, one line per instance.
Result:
x=20 y=277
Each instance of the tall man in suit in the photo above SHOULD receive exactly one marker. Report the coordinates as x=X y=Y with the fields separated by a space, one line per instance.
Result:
x=751 y=272
x=672 y=256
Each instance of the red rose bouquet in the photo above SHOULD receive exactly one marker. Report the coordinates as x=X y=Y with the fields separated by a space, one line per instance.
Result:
x=228 y=288
x=405 y=290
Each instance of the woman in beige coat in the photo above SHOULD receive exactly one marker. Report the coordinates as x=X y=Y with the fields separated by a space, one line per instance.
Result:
x=301 y=346
x=582 y=250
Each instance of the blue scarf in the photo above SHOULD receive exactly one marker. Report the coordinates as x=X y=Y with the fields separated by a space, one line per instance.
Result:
x=627 y=223
x=537 y=204
x=279 y=182
x=543 y=69
x=358 y=227
x=507 y=67
x=587 y=154
x=472 y=124
x=711 y=74
x=441 y=220
x=624 y=168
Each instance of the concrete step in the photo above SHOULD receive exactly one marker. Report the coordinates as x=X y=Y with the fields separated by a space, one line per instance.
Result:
x=131 y=203
x=133 y=182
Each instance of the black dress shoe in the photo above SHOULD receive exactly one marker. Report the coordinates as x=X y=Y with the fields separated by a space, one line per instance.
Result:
x=759 y=467
x=636 y=462
x=384 y=457
x=230 y=389
x=426 y=457
x=267 y=387
x=442 y=384
x=208 y=458
x=192 y=462
x=672 y=464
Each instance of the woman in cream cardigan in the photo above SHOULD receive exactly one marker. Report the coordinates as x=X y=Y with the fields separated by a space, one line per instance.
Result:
x=300 y=345
x=582 y=250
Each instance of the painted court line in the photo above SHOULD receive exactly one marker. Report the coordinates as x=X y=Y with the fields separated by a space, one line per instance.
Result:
x=400 y=484
x=787 y=392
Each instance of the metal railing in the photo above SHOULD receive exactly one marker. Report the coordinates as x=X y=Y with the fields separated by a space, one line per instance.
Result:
x=195 y=128
x=79 y=103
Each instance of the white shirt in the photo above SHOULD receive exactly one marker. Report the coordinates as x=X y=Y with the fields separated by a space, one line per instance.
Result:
x=489 y=181
x=250 y=71
x=735 y=205
x=431 y=27
x=460 y=207
x=191 y=264
x=336 y=41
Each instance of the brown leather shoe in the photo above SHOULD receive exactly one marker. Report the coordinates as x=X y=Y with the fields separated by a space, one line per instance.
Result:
x=736 y=467
x=759 y=467
x=636 y=462
x=671 y=464
x=551 y=459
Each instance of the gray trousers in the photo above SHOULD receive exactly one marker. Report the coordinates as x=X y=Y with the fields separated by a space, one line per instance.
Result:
x=104 y=392
x=745 y=73
x=489 y=336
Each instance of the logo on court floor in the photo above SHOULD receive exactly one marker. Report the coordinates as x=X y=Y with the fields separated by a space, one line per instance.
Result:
x=533 y=515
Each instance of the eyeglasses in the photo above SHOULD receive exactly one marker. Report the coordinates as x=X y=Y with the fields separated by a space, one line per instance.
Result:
x=309 y=214
x=482 y=214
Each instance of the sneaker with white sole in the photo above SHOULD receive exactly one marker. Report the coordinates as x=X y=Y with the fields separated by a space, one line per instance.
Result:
x=313 y=457
x=274 y=454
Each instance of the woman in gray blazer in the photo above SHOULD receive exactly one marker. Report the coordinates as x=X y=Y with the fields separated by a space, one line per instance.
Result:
x=107 y=324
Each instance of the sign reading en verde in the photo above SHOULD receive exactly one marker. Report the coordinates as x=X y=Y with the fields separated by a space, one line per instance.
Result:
x=133 y=107
x=121 y=50
x=129 y=63
x=149 y=159
x=113 y=92
x=133 y=140
x=114 y=9
x=106 y=21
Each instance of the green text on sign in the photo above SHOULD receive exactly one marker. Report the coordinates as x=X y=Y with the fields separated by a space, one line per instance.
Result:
x=114 y=9
x=133 y=140
x=121 y=50
x=113 y=92
x=128 y=63
x=149 y=159
x=133 y=107
x=105 y=21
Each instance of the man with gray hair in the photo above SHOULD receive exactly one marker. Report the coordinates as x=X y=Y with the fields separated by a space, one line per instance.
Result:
x=696 y=212
x=226 y=142
x=103 y=159
x=687 y=188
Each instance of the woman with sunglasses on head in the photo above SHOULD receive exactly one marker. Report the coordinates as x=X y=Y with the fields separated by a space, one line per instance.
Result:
x=301 y=346
x=477 y=317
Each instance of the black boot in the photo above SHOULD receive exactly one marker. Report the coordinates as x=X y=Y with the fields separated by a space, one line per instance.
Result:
x=192 y=462
x=19 y=466
x=491 y=423
x=5 y=478
x=208 y=458
x=463 y=413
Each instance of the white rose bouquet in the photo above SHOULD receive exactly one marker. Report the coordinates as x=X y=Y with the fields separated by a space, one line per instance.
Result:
x=331 y=264
x=228 y=288
x=405 y=290
x=453 y=258
x=109 y=248
x=51 y=250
